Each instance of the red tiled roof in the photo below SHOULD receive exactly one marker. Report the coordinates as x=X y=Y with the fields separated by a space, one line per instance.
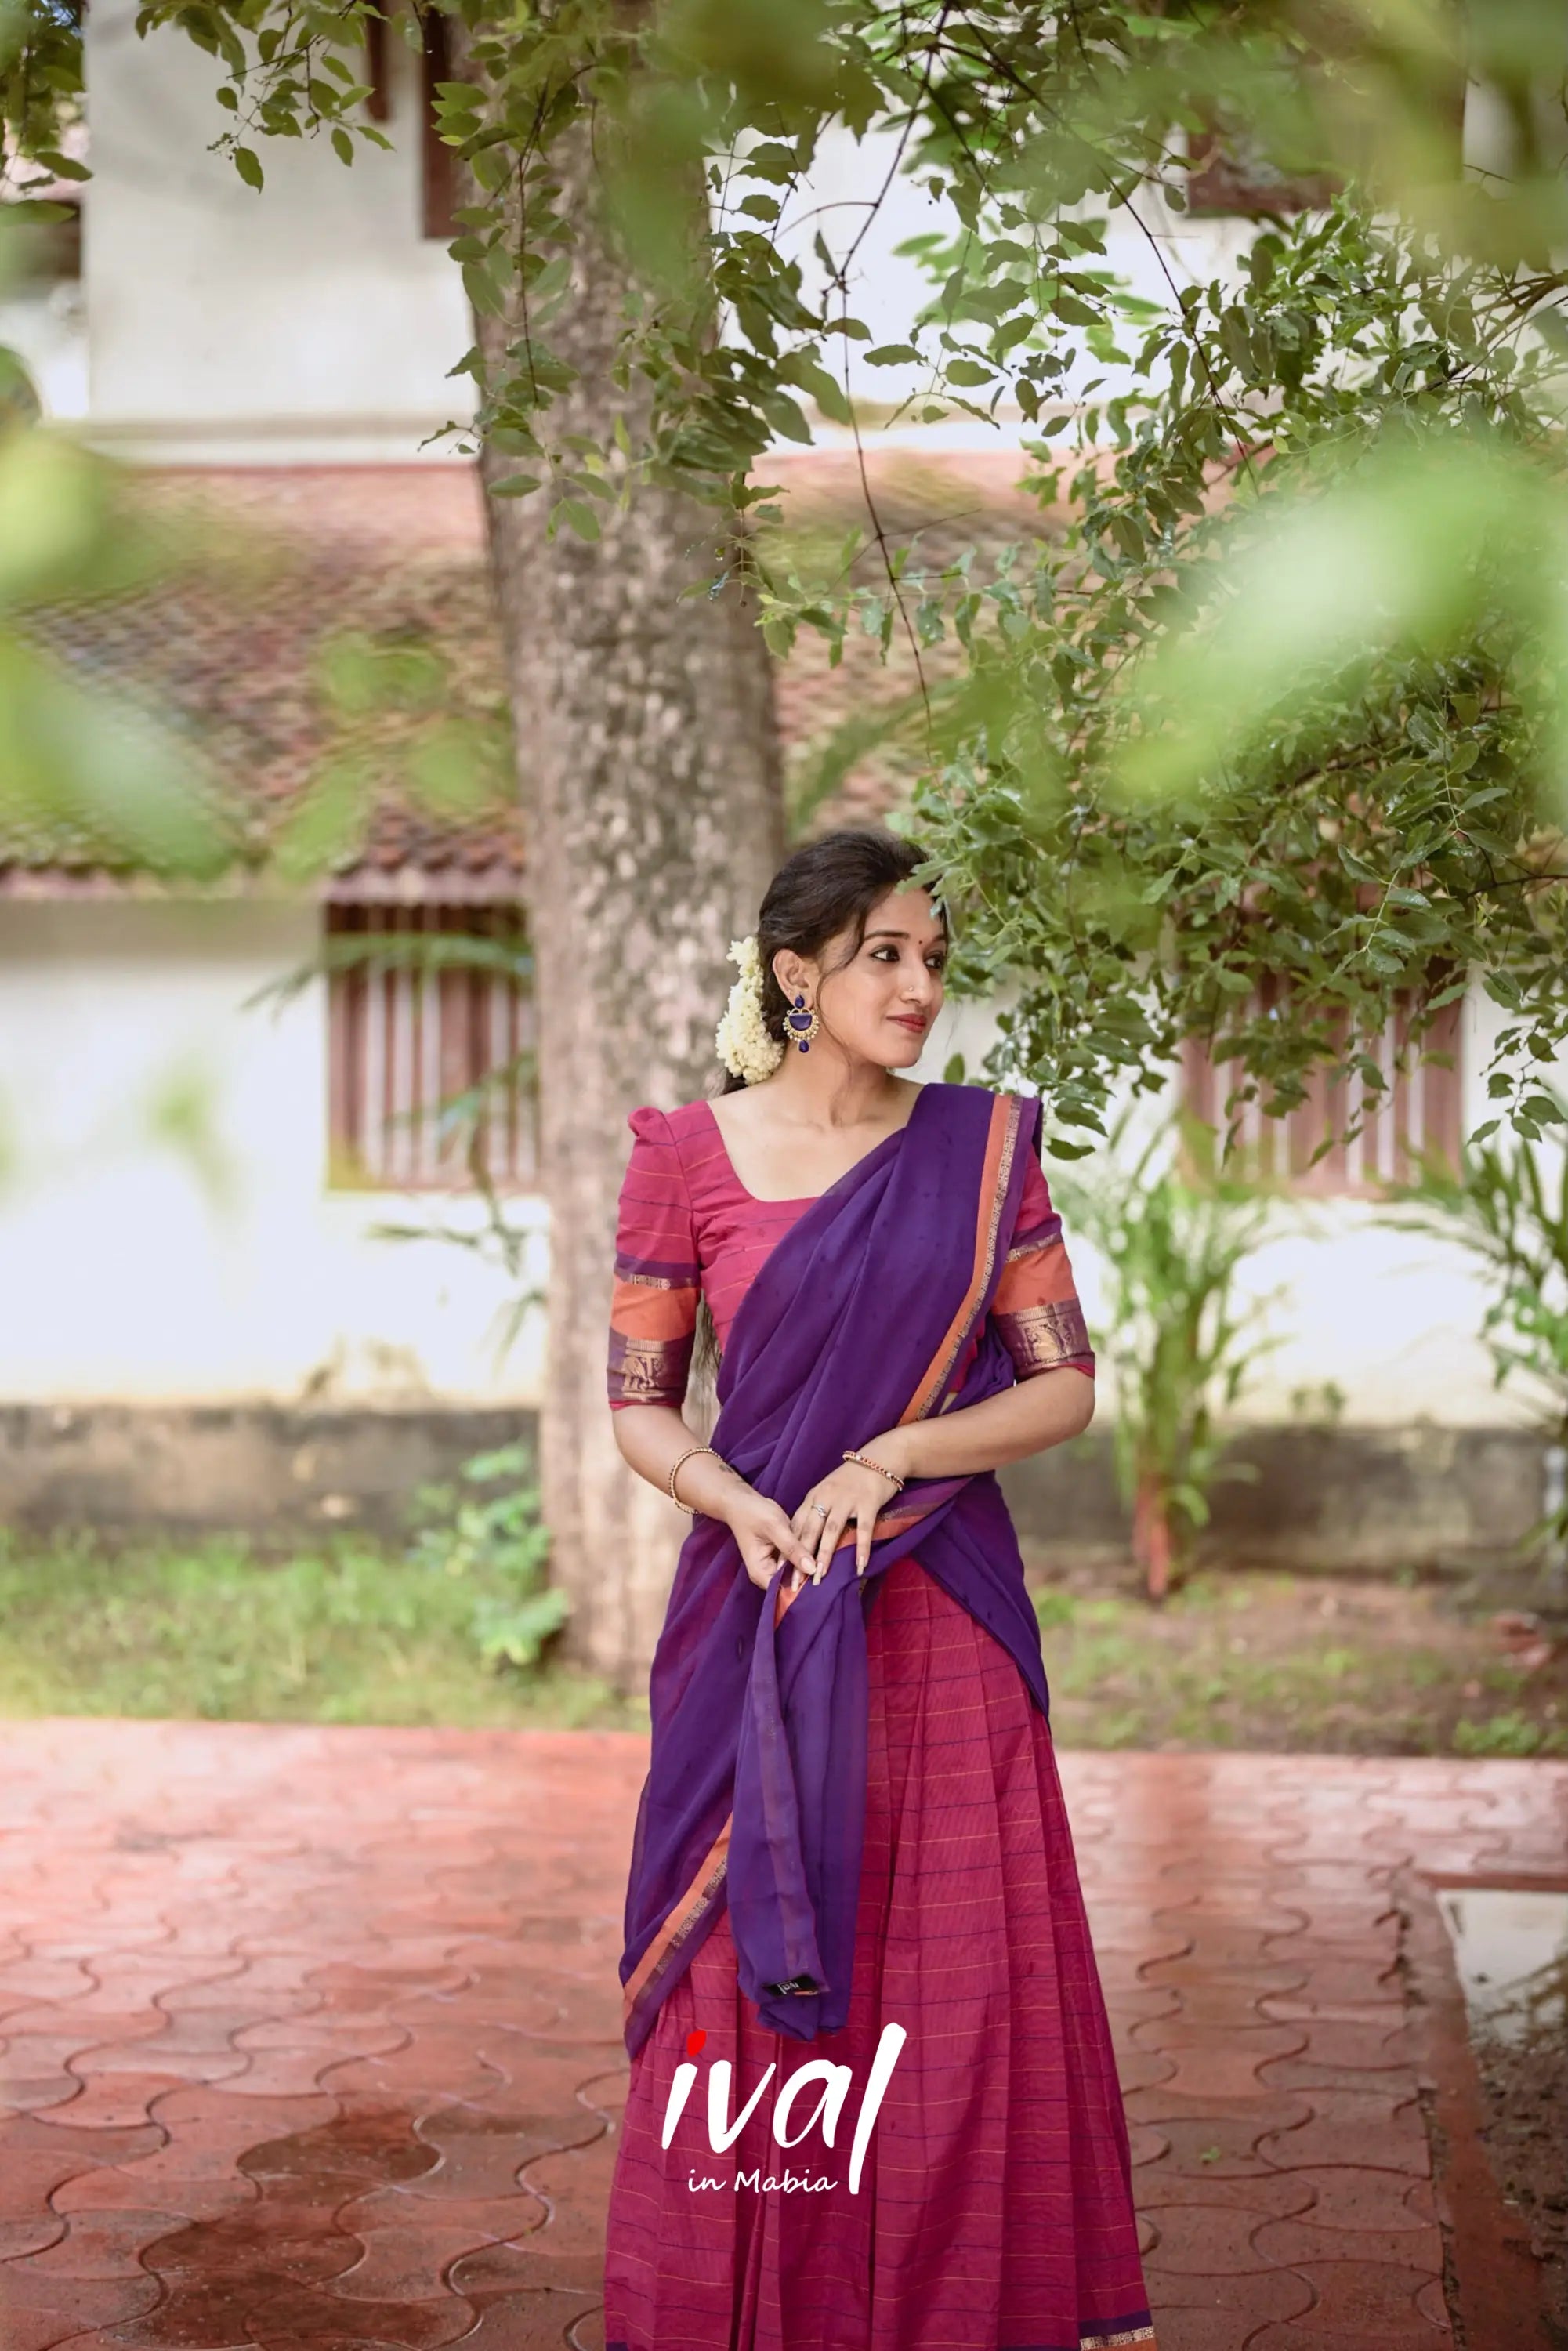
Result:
x=228 y=654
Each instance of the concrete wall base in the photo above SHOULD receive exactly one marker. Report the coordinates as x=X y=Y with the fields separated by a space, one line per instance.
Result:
x=1316 y=1498
x=1368 y=1500
x=271 y=1471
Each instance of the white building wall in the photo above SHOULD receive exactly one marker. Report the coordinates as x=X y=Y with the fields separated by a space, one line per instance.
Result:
x=1151 y=250
x=45 y=327
x=311 y=322
x=165 y=1232
x=1392 y=1319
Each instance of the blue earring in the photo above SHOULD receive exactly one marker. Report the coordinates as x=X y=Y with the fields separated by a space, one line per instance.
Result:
x=803 y=1024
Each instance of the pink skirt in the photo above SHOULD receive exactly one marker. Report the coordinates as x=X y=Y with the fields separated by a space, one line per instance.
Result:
x=995 y=2211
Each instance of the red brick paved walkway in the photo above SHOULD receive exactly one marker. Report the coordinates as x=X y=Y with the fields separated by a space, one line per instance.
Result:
x=308 y=2038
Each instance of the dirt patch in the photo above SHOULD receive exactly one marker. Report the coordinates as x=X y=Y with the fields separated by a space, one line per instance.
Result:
x=1524 y=2097
x=1336 y=1665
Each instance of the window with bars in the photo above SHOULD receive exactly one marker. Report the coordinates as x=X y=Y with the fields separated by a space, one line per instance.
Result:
x=430 y=1035
x=1420 y=1112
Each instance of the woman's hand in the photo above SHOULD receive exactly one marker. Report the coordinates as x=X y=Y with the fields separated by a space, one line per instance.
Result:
x=765 y=1538
x=848 y=1495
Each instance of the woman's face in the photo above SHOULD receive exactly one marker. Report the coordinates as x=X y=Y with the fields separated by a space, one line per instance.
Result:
x=877 y=1000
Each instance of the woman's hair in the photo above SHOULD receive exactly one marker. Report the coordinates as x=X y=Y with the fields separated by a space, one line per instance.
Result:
x=824 y=888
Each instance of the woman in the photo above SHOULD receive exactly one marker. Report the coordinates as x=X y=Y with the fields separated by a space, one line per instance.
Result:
x=851 y=1853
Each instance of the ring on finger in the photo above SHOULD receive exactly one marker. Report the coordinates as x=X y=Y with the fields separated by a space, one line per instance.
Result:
x=821 y=1509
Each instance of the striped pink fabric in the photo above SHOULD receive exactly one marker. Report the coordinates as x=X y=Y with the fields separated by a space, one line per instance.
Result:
x=682 y=1201
x=995 y=2210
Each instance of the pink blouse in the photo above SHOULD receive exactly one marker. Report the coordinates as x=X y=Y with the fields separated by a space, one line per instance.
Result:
x=687 y=1226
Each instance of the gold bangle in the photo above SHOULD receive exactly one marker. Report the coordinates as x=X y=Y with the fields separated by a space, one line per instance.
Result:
x=863 y=1462
x=685 y=1457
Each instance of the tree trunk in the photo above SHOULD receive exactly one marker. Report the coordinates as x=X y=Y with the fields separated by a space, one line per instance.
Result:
x=649 y=766
x=1152 y=1542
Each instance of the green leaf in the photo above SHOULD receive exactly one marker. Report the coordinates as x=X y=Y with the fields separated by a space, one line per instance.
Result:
x=483 y=282
x=815 y=380
x=343 y=145
x=248 y=164
x=786 y=416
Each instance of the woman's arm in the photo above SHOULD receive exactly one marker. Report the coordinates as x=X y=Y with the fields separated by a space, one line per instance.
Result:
x=1029 y=1418
x=652 y=1437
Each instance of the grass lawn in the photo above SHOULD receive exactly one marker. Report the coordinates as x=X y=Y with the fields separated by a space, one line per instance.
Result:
x=348 y=1633
x=341 y=1633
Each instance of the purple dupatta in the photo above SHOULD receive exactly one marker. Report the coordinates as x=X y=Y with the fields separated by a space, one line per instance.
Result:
x=861 y=1318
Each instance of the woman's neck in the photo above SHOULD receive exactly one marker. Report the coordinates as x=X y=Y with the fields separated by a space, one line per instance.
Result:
x=826 y=1089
